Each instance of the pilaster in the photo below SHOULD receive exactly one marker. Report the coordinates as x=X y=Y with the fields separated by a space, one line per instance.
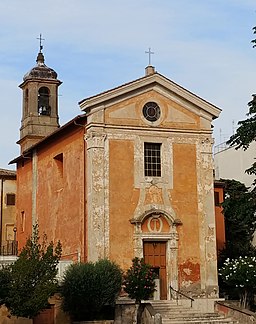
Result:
x=97 y=224
x=207 y=233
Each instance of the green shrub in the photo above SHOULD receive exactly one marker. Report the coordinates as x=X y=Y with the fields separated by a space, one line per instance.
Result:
x=27 y=284
x=5 y=282
x=139 y=280
x=88 y=289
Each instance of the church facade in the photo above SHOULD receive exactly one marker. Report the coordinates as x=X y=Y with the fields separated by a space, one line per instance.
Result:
x=131 y=176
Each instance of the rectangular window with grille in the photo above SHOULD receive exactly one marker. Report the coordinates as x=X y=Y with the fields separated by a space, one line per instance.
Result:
x=10 y=199
x=152 y=159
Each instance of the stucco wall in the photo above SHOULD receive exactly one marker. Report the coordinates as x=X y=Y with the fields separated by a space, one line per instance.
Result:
x=123 y=200
x=8 y=212
x=184 y=200
x=53 y=194
x=24 y=201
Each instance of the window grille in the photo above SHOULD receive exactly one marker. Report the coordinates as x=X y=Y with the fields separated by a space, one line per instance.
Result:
x=152 y=159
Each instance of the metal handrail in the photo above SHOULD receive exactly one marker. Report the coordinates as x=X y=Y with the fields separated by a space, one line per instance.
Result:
x=180 y=293
x=11 y=248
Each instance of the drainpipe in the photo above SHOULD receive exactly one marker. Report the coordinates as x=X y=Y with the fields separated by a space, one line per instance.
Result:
x=1 y=211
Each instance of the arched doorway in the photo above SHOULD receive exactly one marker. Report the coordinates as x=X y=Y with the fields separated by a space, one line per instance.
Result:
x=156 y=240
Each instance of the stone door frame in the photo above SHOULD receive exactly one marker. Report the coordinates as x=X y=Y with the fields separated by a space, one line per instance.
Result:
x=171 y=239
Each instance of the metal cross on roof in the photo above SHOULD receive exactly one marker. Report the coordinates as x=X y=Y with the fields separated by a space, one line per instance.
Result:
x=40 y=42
x=149 y=55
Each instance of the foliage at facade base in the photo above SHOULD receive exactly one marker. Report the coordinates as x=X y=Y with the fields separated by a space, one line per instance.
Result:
x=31 y=280
x=240 y=274
x=88 y=289
x=139 y=281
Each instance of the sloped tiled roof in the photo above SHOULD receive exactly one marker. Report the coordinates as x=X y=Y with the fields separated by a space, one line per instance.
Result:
x=7 y=173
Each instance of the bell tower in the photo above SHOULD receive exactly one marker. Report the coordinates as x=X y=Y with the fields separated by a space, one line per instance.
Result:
x=40 y=103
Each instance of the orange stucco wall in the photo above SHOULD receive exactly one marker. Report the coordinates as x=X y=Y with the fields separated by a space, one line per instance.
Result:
x=60 y=193
x=24 y=201
x=184 y=201
x=123 y=199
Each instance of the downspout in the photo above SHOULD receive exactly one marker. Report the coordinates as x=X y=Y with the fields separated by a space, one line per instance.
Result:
x=1 y=212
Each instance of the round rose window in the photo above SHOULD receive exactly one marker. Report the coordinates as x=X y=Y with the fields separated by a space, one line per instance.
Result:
x=151 y=111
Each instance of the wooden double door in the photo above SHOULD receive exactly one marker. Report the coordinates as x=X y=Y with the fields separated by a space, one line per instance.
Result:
x=155 y=255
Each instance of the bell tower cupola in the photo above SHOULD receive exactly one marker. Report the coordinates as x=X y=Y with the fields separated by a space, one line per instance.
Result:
x=40 y=103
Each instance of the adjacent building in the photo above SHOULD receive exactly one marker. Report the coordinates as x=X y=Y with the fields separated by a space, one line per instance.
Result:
x=8 y=244
x=231 y=163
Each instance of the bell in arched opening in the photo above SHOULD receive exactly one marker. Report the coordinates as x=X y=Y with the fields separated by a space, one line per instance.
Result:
x=43 y=101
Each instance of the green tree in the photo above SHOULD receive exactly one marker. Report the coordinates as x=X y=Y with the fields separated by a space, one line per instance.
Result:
x=246 y=132
x=139 y=283
x=89 y=290
x=239 y=211
x=139 y=280
x=254 y=40
x=240 y=274
x=5 y=279
x=31 y=280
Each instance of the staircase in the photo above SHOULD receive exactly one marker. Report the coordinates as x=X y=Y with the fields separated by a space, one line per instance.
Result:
x=177 y=314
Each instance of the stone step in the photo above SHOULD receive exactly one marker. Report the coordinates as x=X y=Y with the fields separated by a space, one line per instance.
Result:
x=205 y=321
x=177 y=314
x=176 y=309
x=199 y=320
x=192 y=315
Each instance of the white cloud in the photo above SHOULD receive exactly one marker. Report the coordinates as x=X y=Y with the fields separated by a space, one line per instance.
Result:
x=95 y=45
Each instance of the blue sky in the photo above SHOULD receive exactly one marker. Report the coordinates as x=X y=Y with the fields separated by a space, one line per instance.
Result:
x=94 y=45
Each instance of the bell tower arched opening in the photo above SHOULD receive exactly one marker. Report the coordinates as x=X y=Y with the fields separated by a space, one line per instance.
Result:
x=43 y=101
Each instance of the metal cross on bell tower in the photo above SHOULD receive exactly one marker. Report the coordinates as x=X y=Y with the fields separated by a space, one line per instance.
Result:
x=40 y=43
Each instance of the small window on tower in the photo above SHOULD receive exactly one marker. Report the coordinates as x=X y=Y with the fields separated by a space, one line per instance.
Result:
x=43 y=101
x=26 y=102
x=152 y=159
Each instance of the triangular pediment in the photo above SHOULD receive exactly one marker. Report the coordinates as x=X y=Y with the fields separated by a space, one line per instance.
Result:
x=178 y=116
x=129 y=111
x=161 y=85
